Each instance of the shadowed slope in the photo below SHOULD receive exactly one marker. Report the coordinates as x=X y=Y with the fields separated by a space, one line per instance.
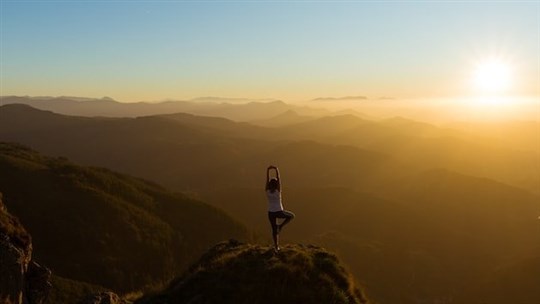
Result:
x=101 y=227
x=233 y=272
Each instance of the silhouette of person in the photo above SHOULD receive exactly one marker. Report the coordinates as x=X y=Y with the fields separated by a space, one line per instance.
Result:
x=275 y=206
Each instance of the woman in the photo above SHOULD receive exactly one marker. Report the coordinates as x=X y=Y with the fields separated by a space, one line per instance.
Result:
x=275 y=206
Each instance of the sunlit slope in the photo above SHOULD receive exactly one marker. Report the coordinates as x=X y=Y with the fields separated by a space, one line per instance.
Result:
x=98 y=226
x=512 y=159
x=237 y=273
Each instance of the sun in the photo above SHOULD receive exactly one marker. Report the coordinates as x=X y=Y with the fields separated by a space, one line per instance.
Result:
x=492 y=76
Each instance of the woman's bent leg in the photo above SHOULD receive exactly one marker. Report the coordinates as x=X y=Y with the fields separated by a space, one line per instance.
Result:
x=288 y=216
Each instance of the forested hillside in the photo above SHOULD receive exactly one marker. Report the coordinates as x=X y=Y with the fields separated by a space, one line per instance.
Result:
x=98 y=226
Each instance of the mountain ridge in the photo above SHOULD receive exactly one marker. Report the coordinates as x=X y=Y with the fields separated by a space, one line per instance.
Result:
x=249 y=109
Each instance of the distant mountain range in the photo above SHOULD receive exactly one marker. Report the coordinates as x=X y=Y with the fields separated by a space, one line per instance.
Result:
x=413 y=144
x=172 y=148
x=235 y=109
x=418 y=212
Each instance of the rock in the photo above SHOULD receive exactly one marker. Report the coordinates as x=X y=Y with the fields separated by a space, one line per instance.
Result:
x=103 y=298
x=38 y=283
x=14 y=263
x=22 y=281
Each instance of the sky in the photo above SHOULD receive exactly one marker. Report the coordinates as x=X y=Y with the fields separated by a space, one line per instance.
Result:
x=289 y=50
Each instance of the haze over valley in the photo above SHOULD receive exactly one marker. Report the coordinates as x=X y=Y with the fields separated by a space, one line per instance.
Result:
x=400 y=201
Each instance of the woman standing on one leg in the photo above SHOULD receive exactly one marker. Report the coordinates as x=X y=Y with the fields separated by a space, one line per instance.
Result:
x=275 y=206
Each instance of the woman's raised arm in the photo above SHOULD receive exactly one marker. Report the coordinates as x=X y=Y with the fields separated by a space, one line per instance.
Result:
x=268 y=176
x=278 y=179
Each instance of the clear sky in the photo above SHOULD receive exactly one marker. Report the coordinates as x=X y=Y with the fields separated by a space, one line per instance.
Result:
x=155 y=50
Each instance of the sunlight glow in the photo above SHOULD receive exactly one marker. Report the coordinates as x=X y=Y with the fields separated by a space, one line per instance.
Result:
x=492 y=76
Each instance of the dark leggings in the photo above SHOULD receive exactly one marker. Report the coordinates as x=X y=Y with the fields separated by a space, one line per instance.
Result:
x=273 y=216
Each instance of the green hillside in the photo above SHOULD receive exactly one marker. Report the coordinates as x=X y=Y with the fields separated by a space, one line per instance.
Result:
x=98 y=226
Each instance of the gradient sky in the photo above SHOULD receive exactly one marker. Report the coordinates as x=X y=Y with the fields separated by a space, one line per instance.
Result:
x=155 y=50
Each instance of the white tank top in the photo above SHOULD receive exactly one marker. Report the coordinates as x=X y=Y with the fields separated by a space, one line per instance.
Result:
x=274 y=200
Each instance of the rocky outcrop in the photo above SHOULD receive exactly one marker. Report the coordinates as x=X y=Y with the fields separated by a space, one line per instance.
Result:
x=234 y=272
x=38 y=283
x=22 y=281
x=13 y=262
x=103 y=298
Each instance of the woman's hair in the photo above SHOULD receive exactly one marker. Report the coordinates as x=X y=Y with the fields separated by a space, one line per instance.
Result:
x=273 y=185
